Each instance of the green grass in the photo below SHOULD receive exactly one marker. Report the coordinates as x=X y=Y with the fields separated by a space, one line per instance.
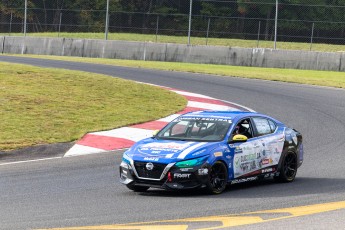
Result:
x=311 y=77
x=42 y=105
x=194 y=40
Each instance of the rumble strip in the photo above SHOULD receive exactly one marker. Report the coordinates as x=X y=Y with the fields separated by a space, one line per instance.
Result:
x=125 y=137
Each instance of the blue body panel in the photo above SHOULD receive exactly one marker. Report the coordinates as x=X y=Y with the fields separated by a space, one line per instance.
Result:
x=241 y=159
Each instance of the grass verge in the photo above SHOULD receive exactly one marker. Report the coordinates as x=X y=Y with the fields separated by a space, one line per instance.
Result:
x=194 y=41
x=42 y=105
x=311 y=77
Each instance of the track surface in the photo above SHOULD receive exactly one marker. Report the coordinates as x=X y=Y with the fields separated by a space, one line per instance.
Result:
x=81 y=191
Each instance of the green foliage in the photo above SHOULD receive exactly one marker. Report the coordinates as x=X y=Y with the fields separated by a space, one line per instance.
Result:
x=42 y=105
x=230 y=19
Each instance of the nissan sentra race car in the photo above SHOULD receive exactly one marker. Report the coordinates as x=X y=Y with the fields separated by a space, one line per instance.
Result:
x=210 y=149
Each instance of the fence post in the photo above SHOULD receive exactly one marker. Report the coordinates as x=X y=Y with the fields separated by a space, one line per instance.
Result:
x=190 y=19
x=275 y=26
x=107 y=21
x=312 y=36
x=11 y=23
x=157 y=27
x=259 y=31
x=208 y=29
x=25 y=16
x=60 y=24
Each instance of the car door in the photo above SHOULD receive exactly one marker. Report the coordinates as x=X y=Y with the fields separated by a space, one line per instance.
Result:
x=261 y=152
x=246 y=154
x=270 y=143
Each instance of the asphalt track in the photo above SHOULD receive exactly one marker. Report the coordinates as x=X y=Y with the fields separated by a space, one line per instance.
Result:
x=82 y=191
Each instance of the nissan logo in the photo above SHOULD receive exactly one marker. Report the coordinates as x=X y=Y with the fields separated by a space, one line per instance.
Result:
x=149 y=166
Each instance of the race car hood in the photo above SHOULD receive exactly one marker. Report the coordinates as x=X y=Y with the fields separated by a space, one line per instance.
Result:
x=167 y=151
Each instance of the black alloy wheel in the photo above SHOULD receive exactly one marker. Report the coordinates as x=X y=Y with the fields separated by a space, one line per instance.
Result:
x=217 y=178
x=137 y=188
x=288 y=170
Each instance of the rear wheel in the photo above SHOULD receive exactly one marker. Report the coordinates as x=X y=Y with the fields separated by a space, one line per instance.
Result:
x=217 y=178
x=288 y=169
x=137 y=188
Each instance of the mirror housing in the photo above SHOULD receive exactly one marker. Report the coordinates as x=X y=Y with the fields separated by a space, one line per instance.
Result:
x=154 y=132
x=238 y=138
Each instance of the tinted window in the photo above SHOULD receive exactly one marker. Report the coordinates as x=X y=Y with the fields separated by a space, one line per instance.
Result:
x=243 y=127
x=272 y=125
x=262 y=126
x=195 y=129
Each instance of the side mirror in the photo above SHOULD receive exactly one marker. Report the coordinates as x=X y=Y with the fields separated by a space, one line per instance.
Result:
x=154 y=133
x=238 y=138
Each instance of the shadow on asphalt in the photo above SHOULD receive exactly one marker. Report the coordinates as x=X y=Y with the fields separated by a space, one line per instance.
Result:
x=262 y=188
x=35 y=152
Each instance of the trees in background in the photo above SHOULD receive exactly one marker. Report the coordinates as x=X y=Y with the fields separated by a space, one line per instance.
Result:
x=240 y=18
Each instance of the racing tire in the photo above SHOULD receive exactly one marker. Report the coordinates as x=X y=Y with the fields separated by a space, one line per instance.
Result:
x=137 y=188
x=288 y=169
x=217 y=178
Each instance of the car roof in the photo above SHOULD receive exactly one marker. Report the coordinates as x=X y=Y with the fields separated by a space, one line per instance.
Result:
x=221 y=114
x=232 y=115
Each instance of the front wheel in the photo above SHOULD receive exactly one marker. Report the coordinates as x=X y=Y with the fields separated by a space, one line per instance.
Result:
x=137 y=188
x=288 y=169
x=217 y=178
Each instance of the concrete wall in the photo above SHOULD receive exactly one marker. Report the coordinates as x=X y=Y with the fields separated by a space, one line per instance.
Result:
x=294 y=59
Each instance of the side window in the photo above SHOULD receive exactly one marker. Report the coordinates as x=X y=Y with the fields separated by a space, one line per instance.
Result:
x=244 y=127
x=262 y=126
x=272 y=125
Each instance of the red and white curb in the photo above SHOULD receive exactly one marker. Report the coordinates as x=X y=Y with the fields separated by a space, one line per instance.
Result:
x=125 y=137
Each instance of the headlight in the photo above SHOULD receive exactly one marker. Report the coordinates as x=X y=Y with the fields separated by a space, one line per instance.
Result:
x=126 y=159
x=191 y=163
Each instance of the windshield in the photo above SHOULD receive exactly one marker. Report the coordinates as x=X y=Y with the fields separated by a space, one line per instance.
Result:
x=195 y=129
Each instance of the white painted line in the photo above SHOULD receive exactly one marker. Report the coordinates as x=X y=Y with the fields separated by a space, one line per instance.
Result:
x=170 y=118
x=241 y=106
x=21 y=162
x=209 y=106
x=78 y=150
x=191 y=94
x=133 y=134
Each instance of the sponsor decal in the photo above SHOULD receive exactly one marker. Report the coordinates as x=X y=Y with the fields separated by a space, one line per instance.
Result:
x=156 y=152
x=151 y=159
x=237 y=161
x=203 y=171
x=185 y=169
x=199 y=152
x=228 y=157
x=265 y=161
x=237 y=181
x=248 y=166
x=218 y=154
x=182 y=175
x=210 y=118
x=268 y=170
x=165 y=146
x=238 y=150
x=169 y=155
x=250 y=157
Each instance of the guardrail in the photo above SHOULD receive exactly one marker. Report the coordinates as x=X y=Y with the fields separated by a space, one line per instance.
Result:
x=294 y=59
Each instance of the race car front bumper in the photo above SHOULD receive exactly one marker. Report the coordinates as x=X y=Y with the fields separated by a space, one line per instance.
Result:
x=171 y=178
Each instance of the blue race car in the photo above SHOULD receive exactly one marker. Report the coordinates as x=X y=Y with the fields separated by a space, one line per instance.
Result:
x=210 y=149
